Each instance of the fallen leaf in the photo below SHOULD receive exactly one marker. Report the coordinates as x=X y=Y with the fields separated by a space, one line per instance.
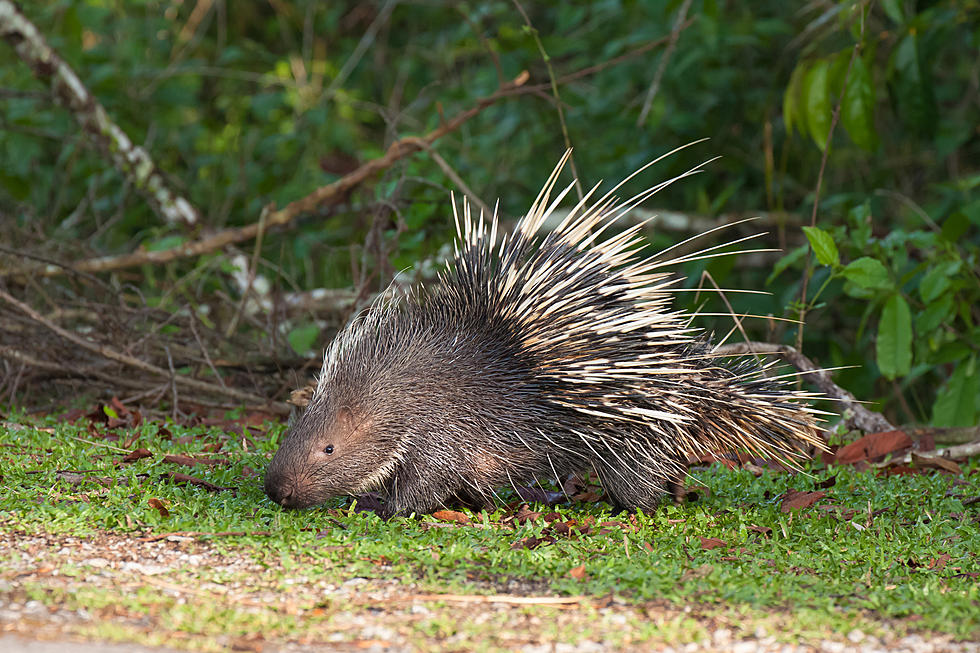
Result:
x=939 y=563
x=525 y=514
x=159 y=506
x=926 y=442
x=797 y=500
x=532 y=542
x=189 y=461
x=136 y=454
x=872 y=446
x=936 y=462
x=708 y=543
x=828 y=482
x=451 y=515
x=578 y=573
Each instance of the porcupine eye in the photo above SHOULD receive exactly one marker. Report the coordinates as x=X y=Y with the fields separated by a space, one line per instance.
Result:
x=328 y=450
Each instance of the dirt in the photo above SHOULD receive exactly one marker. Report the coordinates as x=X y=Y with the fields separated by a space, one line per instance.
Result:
x=70 y=593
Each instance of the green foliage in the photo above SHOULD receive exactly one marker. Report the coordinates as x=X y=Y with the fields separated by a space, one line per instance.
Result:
x=266 y=103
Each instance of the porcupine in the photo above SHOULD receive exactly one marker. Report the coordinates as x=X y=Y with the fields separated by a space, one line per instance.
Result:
x=538 y=356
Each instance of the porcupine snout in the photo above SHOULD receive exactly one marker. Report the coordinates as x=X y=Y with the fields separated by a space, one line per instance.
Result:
x=280 y=488
x=279 y=491
x=282 y=483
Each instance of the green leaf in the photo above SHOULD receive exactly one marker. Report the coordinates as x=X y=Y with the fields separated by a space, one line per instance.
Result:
x=857 y=111
x=823 y=246
x=911 y=86
x=955 y=226
x=303 y=337
x=817 y=105
x=793 y=98
x=934 y=283
x=868 y=272
x=894 y=346
x=956 y=404
x=893 y=9
x=934 y=315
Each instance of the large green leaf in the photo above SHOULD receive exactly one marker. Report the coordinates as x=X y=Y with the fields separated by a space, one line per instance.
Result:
x=956 y=403
x=911 y=85
x=894 y=347
x=857 y=112
x=816 y=90
x=868 y=273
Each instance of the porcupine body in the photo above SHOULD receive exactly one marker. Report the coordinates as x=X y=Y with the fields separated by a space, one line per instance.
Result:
x=536 y=356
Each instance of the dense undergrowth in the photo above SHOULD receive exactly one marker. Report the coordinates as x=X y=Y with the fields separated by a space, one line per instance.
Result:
x=255 y=103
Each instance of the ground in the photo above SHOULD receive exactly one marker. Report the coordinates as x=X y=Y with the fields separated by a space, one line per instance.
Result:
x=103 y=540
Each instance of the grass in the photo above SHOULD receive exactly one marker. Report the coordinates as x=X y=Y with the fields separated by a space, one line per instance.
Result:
x=895 y=550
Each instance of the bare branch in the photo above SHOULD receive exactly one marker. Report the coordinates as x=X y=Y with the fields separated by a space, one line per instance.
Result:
x=854 y=413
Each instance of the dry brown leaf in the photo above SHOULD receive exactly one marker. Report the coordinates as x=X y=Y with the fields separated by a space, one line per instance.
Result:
x=578 y=573
x=159 y=506
x=136 y=454
x=797 y=500
x=872 y=446
x=451 y=515
x=708 y=543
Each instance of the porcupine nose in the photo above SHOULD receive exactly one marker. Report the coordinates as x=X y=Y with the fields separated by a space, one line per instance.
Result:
x=281 y=493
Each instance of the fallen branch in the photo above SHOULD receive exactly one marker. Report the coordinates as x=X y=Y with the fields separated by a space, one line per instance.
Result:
x=132 y=161
x=277 y=407
x=855 y=415
x=956 y=452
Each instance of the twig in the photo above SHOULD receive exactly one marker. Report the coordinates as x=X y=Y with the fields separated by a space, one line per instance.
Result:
x=835 y=117
x=192 y=323
x=362 y=46
x=554 y=92
x=956 y=452
x=326 y=194
x=125 y=359
x=56 y=369
x=173 y=384
x=458 y=181
x=250 y=277
x=664 y=58
x=854 y=413
x=133 y=162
